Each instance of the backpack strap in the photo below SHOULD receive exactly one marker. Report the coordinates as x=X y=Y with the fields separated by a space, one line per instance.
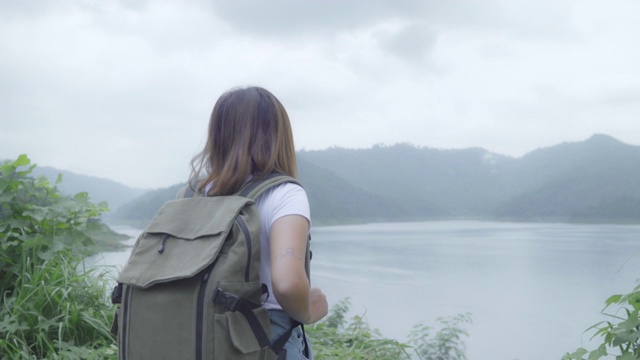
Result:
x=235 y=303
x=251 y=190
x=189 y=190
x=255 y=188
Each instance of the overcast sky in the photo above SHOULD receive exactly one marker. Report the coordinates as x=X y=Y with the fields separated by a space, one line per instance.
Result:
x=123 y=89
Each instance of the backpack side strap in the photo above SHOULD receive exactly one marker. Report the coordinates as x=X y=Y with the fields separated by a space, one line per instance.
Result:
x=235 y=303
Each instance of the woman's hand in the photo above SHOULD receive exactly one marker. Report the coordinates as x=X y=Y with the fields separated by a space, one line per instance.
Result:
x=318 y=306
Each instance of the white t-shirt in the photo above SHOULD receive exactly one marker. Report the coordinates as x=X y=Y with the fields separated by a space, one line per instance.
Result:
x=282 y=200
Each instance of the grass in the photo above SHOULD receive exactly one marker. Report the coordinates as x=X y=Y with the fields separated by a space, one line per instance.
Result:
x=56 y=312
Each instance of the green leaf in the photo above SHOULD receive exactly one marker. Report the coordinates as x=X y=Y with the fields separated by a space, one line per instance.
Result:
x=576 y=355
x=614 y=299
x=22 y=160
x=626 y=356
x=8 y=169
x=26 y=172
x=81 y=196
x=4 y=183
x=7 y=197
x=598 y=353
x=42 y=181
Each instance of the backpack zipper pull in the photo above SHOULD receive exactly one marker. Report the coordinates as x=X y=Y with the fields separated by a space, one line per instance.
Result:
x=161 y=247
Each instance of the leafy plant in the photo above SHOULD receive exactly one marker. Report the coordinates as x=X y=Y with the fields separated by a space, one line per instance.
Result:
x=36 y=221
x=49 y=307
x=337 y=337
x=621 y=335
x=446 y=344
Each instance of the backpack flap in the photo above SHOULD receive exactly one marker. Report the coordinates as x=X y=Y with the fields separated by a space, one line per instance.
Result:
x=182 y=239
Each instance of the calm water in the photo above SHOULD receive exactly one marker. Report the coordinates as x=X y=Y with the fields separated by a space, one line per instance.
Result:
x=532 y=289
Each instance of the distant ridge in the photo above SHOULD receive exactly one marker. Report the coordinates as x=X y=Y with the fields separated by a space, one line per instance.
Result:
x=595 y=180
x=139 y=211
x=592 y=180
x=99 y=189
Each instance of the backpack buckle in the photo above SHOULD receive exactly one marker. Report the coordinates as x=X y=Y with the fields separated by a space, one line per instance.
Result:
x=222 y=297
x=116 y=294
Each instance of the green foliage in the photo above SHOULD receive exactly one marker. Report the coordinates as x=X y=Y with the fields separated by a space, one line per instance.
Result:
x=49 y=307
x=36 y=221
x=446 y=344
x=621 y=335
x=339 y=339
x=56 y=312
x=100 y=189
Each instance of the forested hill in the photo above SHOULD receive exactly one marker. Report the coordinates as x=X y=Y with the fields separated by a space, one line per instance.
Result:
x=596 y=180
x=99 y=189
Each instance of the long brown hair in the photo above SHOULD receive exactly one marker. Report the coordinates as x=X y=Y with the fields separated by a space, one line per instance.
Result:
x=249 y=135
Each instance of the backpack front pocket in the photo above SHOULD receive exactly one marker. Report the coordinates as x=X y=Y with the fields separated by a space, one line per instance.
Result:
x=241 y=326
x=235 y=338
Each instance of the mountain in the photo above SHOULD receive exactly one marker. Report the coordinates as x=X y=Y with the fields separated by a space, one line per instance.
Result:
x=114 y=193
x=592 y=180
x=429 y=182
x=333 y=199
x=139 y=211
x=596 y=180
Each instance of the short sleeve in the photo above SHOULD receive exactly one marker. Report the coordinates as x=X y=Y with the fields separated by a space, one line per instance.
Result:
x=285 y=199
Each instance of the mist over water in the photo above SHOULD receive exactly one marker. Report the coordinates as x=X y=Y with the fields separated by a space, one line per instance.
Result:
x=532 y=289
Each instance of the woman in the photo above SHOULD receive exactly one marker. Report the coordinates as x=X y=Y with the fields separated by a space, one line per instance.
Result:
x=250 y=136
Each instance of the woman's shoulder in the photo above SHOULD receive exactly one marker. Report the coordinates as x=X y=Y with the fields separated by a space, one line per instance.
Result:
x=285 y=192
x=285 y=199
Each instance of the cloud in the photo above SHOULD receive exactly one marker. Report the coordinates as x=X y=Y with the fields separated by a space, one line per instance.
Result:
x=290 y=17
x=411 y=42
x=126 y=87
x=287 y=18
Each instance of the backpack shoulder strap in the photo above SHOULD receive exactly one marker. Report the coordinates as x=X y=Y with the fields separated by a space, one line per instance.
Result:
x=188 y=191
x=253 y=189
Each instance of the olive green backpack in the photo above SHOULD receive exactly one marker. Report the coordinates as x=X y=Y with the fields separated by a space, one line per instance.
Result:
x=191 y=288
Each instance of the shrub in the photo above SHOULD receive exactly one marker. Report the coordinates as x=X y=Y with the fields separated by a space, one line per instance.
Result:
x=50 y=308
x=337 y=338
x=446 y=344
x=621 y=335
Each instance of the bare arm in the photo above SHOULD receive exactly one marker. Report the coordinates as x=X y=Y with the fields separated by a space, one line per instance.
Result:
x=288 y=239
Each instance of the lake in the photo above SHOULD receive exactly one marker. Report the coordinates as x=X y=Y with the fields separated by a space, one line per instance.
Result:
x=532 y=289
